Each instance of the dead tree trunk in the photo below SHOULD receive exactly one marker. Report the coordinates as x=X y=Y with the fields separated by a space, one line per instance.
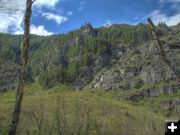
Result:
x=23 y=69
x=161 y=49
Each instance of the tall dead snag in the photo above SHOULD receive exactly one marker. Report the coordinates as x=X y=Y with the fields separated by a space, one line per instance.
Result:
x=161 y=49
x=23 y=69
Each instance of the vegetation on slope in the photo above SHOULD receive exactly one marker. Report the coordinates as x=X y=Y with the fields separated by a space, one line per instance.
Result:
x=58 y=58
x=122 y=54
x=61 y=110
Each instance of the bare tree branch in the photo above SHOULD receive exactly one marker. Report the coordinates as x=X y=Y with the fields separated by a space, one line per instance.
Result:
x=161 y=49
x=23 y=69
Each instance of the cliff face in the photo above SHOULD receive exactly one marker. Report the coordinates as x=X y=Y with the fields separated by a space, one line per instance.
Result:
x=119 y=57
x=140 y=69
x=8 y=74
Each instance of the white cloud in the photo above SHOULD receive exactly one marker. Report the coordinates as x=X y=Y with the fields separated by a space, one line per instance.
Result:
x=169 y=1
x=69 y=13
x=12 y=12
x=108 y=22
x=46 y=3
x=161 y=1
x=37 y=30
x=174 y=1
x=80 y=8
x=57 y=18
x=40 y=30
x=157 y=17
x=13 y=21
x=82 y=4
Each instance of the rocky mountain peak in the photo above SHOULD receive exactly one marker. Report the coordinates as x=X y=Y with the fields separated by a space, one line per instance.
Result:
x=87 y=29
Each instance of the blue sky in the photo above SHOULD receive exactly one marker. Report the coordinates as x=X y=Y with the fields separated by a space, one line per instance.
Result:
x=62 y=16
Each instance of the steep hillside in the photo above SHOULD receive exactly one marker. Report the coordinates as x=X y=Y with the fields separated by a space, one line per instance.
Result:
x=119 y=58
x=93 y=81
x=62 y=111
x=77 y=57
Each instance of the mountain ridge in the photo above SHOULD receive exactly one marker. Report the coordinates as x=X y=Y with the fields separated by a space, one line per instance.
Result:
x=77 y=57
x=116 y=73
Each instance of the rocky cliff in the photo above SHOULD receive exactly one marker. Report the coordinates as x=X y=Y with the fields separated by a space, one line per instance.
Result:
x=116 y=58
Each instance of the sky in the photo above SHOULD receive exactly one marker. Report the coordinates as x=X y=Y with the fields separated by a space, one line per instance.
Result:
x=61 y=16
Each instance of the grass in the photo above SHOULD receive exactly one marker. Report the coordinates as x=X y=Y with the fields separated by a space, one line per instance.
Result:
x=61 y=110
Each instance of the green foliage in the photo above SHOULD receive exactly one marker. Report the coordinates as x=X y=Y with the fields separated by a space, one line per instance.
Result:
x=128 y=37
x=163 y=29
x=86 y=59
x=8 y=52
x=92 y=112
x=52 y=77
x=73 y=51
x=58 y=58
x=103 y=48
x=43 y=79
x=72 y=70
